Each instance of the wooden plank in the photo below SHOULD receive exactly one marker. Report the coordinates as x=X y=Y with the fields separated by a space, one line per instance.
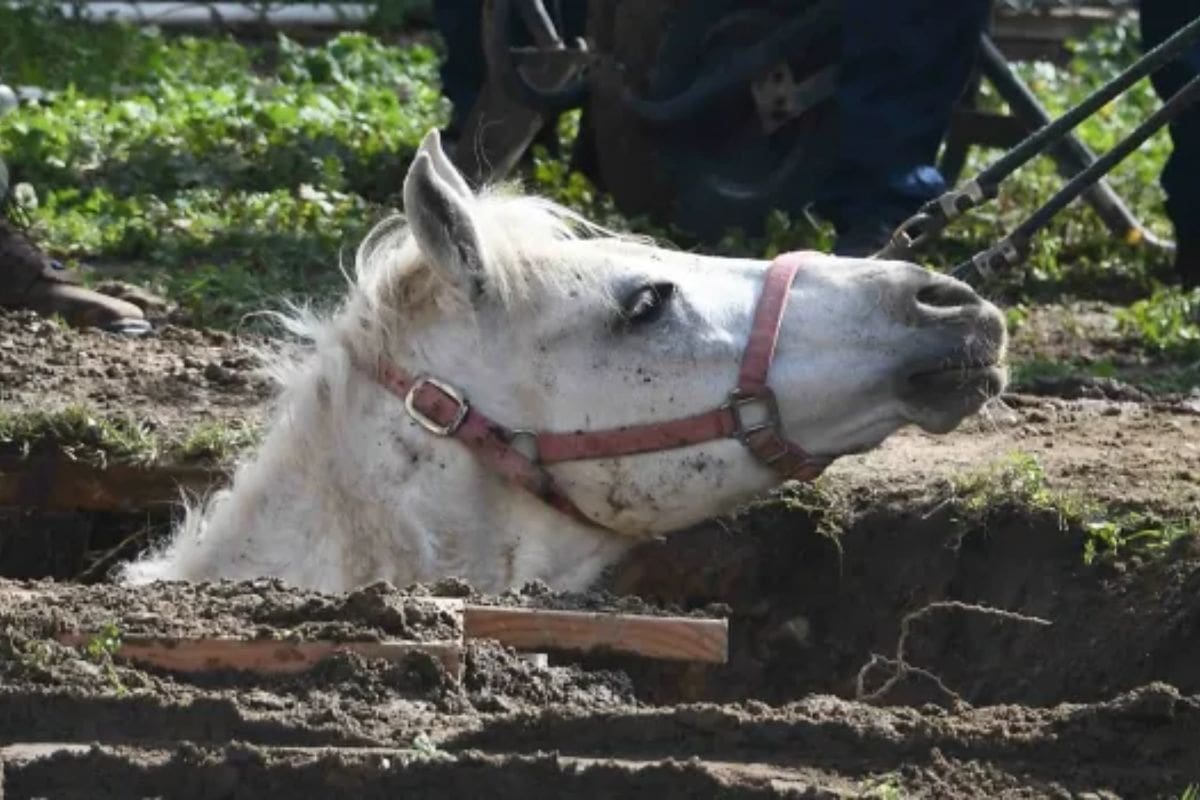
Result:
x=263 y=655
x=669 y=638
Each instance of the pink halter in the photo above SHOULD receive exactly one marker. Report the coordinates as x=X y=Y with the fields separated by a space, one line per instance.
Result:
x=444 y=411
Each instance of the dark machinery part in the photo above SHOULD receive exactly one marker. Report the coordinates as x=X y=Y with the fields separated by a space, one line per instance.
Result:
x=525 y=86
x=708 y=115
x=720 y=113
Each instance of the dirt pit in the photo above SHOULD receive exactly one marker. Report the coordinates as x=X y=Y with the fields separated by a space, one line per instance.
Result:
x=1105 y=699
x=1030 y=674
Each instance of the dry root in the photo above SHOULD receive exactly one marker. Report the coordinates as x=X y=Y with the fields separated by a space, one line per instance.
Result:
x=898 y=665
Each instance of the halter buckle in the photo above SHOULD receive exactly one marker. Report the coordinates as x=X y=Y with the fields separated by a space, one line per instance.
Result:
x=423 y=419
x=738 y=400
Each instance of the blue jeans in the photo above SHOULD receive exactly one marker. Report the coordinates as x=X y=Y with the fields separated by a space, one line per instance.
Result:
x=904 y=66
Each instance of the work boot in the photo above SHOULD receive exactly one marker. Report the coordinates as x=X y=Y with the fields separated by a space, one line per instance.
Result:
x=30 y=279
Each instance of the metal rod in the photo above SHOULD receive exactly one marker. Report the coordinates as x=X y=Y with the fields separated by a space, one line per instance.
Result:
x=1069 y=153
x=934 y=216
x=1041 y=138
x=1013 y=248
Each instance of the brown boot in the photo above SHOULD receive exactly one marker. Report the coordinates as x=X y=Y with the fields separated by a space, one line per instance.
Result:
x=30 y=279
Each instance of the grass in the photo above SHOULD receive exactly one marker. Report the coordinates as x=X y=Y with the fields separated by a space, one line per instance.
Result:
x=86 y=435
x=230 y=176
x=1155 y=379
x=1018 y=480
x=224 y=175
x=81 y=434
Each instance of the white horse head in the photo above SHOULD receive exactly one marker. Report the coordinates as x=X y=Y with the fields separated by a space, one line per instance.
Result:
x=546 y=323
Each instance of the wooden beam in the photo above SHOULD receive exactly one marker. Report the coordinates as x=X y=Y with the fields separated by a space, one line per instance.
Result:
x=263 y=655
x=669 y=638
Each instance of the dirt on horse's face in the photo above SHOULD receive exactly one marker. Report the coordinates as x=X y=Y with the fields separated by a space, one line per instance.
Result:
x=544 y=327
x=610 y=333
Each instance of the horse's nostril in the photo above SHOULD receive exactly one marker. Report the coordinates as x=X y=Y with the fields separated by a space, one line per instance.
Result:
x=946 y=293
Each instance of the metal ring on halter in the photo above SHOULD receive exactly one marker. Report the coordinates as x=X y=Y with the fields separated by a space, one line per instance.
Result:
x=739 y=400
x=525 y=435
x=426 y=422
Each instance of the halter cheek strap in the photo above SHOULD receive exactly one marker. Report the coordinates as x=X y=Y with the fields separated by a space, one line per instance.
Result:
x=444 y=411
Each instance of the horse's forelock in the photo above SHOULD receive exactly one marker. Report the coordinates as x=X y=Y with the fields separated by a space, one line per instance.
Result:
x=520 y=237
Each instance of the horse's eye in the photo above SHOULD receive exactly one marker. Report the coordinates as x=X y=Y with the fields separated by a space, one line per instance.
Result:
x=647 y=303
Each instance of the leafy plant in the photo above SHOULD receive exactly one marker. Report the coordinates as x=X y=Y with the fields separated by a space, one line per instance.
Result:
x=101 y=649
x=105 y=644
x=1167 y=322
x=1019 y=479
x=1133 y=533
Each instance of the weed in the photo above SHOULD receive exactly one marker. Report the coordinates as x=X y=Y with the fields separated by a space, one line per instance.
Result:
x=1017 y=479
x=86 y=435
x=1020 y=480
x=216 y=441
x=1110 y=539
x=882 y=787
x=80 y=434
x=101 y=649
x=1167 y=322
x=1191 y=792
x=105 y=643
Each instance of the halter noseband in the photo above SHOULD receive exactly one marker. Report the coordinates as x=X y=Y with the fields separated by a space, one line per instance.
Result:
x=443 y=411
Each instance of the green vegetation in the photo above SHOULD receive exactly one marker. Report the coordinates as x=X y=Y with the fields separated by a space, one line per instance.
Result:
x=230 y=175
x=105 y=643
x=86 y=435
x=1156 y=378
x=80 y=434
x=223 y=175
x=882 y=787
x=1167 y=322
x=1018 y=480
x=102 y=648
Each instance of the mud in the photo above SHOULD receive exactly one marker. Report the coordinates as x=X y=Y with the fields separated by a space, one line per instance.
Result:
x=1102 y=702
x=539 y=595
x=820 y=747
x=258 y=609
x=809 y=610
x=176 y=378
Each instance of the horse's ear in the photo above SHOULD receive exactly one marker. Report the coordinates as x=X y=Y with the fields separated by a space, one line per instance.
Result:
x=441 y=215
x=432 y=144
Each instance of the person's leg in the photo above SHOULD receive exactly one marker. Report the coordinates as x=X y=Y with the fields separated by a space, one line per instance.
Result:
x=903 y=68
x=32 y=280
x=1181 y=176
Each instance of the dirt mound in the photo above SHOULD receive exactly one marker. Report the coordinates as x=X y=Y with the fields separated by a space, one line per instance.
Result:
x=820 y=747
x=809 y=610
x=177 y=376
x=252 y=609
